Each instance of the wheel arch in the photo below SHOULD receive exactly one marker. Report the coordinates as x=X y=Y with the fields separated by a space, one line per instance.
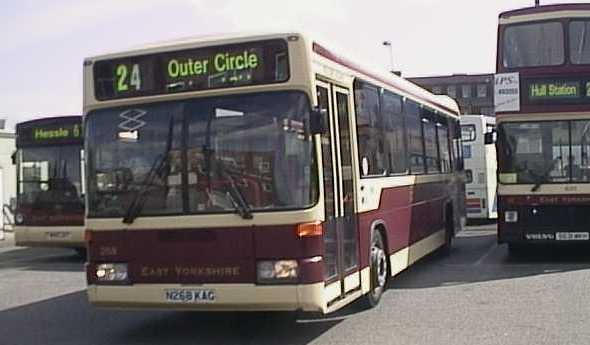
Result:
x=380 y=226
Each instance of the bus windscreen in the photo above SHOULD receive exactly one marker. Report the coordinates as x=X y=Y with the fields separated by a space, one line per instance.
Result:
x=224 y=66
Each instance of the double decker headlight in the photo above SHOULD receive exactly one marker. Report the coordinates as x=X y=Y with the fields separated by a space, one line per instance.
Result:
x=511 y=216
x=19 y=219
x=277 y=271
x=111 y=272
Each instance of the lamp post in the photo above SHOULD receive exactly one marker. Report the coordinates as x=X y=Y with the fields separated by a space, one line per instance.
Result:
x=390 y=48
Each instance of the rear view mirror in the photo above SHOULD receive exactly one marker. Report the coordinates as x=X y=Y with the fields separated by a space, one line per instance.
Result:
x=318 y=121
x=490 y=137
x=13 y=157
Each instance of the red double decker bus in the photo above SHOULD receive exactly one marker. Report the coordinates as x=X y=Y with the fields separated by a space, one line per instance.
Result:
x=543 y=116
x=261 y=173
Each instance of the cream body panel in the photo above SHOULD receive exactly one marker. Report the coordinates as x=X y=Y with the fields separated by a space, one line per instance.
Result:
x=49 y=236
x=544 y=189
x=208 y=221
x=235 y=297
x=403 y=258
x=544 y=16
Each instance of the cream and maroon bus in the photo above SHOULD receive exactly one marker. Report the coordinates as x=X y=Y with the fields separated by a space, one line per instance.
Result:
x=543 y=117
x=50 y=188
x=261 y=173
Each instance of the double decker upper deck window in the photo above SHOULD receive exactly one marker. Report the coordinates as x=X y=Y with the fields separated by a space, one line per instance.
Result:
x=579 y=37
x=532 y=45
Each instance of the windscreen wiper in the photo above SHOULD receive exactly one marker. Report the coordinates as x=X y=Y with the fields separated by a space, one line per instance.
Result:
x=540 y=179
x=138 y=202
x=159 y=168
x=235 y=195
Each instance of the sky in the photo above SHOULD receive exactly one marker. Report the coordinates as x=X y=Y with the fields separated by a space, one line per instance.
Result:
x=43 y=43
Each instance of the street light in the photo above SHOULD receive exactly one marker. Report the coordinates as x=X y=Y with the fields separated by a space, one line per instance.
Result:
x=388 y=44
x=392 y=70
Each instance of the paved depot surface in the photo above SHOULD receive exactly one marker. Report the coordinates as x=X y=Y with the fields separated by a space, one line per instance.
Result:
x=478 y=295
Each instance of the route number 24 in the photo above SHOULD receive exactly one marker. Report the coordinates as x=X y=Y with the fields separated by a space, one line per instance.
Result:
x=126 y=79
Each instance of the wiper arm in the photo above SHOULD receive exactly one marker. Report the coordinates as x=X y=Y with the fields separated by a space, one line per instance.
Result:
x=235 y=195
x=157 y=169
x=539 y=181
x=138 y=202
x=542 y=178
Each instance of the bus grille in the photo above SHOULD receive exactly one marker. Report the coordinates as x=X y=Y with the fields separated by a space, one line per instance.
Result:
x=555 y=216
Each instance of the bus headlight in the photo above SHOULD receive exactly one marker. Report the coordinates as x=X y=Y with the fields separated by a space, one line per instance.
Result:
x=111 y=272
x=19 y=218
x=511 y=216
x=277 y=271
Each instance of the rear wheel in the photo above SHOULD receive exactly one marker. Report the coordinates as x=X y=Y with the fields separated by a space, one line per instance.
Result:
x=449 y=232
x=81 y=252
x=379 y=269
x=516 y=249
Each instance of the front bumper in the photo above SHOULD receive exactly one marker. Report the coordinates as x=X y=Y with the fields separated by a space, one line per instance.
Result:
x=229 y=297
x=50 y=236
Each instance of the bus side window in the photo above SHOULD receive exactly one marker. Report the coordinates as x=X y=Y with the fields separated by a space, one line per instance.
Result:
x=370 y=130
x=395 y=146
x=442 y=135
x=415 y=138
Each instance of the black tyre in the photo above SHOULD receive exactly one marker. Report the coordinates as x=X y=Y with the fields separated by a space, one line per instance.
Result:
x=379 y=265
x=449 y=233
x=516 y=250
x=81 y=252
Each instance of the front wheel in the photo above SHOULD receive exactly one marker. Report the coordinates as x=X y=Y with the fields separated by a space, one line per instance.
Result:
x=81 y=252
x=379 y=269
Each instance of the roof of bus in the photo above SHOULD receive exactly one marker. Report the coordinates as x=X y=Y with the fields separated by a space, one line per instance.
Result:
x=545 y=9
x=53 y=119
x=442 y=101
x=189 y=42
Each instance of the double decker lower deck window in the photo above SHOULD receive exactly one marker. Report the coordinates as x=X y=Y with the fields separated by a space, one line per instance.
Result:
x=544 y=152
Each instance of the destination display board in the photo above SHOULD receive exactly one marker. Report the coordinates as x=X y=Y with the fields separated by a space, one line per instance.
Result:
x=251 y=63
x=58 y=131
x=557 y=91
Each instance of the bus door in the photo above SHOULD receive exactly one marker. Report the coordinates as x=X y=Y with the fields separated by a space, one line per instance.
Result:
x=341 y=234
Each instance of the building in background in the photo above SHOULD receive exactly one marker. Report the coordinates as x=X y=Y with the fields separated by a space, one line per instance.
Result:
x=473 y=92
x=7 y=173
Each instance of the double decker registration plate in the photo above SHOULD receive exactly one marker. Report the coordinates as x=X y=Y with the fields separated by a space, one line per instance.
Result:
x=190 y=295
x=572 y=236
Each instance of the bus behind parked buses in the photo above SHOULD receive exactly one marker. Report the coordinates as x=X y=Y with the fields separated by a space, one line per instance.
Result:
x=50 y=187
x=261 y=173
x=480 y=166
x=542 y=101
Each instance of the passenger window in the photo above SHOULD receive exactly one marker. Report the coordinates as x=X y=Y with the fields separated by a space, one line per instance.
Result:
x=468 y=176
x=395 y=146
x=430 y=145
x=442 y=135
x=415 y=143
x=371 y=139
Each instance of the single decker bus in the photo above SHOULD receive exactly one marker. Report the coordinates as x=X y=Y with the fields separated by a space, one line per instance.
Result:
x=542 y=96
x=480 y=166
x=50 y=183
x=261 y=173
